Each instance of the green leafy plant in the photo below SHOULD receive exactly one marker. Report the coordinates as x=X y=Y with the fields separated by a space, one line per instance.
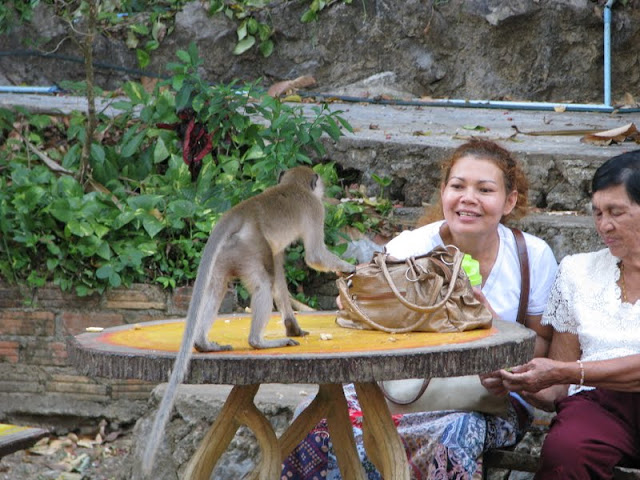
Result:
x=141 y=215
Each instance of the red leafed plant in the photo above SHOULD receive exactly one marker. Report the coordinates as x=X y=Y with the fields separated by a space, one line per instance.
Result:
x=196 y=140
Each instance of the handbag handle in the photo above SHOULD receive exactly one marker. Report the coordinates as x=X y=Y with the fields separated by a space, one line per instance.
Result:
x=457 y=262
x=342 y=287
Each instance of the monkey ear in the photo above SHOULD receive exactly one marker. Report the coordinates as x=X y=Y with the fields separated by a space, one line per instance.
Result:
x=280 y=175
x=314 y=181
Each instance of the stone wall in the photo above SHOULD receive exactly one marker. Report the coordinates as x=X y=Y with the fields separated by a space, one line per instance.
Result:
x=38 y=386
x=536 y=50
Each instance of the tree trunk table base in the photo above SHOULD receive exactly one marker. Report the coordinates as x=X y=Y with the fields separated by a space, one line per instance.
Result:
x=386 y=451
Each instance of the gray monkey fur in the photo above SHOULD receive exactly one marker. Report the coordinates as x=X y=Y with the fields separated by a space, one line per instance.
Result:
x=248 y=243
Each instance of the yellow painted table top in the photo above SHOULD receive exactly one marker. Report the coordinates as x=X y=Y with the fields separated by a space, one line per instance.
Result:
x=324 y=336
x=328 y=354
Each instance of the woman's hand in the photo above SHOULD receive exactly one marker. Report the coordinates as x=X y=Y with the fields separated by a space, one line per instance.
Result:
x=538 y=374
x=493 y=383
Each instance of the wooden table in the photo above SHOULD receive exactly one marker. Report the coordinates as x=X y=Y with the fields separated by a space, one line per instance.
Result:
x=329 y=356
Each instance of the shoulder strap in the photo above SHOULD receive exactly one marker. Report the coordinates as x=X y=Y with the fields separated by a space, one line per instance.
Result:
x=523 y=256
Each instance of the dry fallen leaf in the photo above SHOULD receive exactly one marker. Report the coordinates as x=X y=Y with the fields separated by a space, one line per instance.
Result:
x=290 y=86
x=615 y=135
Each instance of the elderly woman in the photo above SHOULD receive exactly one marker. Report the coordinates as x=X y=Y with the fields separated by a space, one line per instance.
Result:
x=483 y=187
x=592 y=378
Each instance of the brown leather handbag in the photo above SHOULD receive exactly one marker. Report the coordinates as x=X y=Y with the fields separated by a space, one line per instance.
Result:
x=429 y=293
x=457 y=393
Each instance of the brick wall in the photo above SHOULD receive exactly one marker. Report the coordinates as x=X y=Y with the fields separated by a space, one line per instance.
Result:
x=35 y=377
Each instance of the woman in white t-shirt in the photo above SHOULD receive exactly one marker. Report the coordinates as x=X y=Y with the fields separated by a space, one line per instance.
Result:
x=482 y=188
x=592 y=376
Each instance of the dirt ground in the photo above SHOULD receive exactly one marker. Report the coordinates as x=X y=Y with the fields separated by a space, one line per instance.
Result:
x=71 y=457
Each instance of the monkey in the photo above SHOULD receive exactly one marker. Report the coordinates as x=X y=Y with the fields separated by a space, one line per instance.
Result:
x=248 y=243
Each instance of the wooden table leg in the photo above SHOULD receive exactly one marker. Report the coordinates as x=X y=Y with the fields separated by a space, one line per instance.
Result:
x=328 y=403
x=341 y=431
x=303 y=423
x=239 y=409
x=381 y=439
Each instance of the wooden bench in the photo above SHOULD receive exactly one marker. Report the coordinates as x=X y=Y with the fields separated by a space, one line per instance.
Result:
x=15 y=437
x=527 y=462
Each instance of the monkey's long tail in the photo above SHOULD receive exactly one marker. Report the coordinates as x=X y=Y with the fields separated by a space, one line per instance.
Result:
x=166 y=405
x=198 y=303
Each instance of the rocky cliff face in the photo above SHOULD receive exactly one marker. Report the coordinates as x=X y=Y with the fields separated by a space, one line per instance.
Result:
x=537 y=50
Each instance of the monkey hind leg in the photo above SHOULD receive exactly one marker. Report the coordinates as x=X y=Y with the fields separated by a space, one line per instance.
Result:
x=282 y=300
x=262 y=307
x=211 y=305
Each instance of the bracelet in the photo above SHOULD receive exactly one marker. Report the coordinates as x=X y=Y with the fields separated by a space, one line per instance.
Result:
x=581 y=373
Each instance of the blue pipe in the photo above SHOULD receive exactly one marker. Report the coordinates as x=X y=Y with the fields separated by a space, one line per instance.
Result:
x=607 y=52
x=14 y=89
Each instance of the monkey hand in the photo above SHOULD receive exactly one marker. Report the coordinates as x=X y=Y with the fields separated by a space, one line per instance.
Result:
x=348 y=268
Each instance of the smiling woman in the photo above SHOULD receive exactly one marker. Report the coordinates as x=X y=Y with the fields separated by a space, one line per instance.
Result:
x=482 y=188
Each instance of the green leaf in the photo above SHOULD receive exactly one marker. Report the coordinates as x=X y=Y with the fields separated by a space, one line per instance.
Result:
x=133 y=145
x=144 y=202
x=242 y=31
x=115 y=281
x=193 y=53
x=140 y=28
x=104 y=251
x=244 y=45
x=123 y=219
x=60 y=210
x=79 y=229
x=152 y=225
x=198 y=102
x=135 y=92
x=252 y=25
x=160 y=151
x=266 y=48
x=254 y=153
x=177 y=81
x=183 y=98
x=181 y=208
x=308 y=16
x=97 y=152
x=144 y=59
x=477 y=128
x=105 y=271
x=183 y=56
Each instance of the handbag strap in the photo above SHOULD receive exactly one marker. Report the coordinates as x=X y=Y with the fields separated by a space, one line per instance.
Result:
x=523 y=257
x=457 y=264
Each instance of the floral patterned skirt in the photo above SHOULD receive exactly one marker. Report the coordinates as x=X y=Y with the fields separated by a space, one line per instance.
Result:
x=439 y=445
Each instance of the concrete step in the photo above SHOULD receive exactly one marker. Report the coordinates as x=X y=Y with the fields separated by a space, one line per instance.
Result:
x=406 y=144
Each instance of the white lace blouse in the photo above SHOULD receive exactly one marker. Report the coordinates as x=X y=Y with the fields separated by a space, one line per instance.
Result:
x=586 y=300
